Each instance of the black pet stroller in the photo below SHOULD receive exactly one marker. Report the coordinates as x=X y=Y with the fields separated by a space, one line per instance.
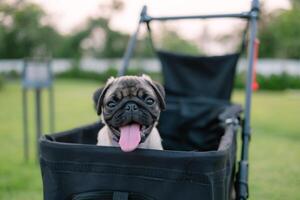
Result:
x=199 y=131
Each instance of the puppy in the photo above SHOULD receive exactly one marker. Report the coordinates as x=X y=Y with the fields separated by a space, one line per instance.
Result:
x=130 y=107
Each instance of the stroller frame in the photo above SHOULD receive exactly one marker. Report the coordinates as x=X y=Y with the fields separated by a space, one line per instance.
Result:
x=252 y=17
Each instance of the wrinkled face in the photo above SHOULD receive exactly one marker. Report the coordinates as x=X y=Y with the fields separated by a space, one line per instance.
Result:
x=131 y=105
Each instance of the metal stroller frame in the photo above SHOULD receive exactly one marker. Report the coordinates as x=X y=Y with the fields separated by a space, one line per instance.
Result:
x=252 y=17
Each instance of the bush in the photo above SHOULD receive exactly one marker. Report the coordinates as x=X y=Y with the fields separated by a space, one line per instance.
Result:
x=272 y=82
x=76 y=72
x=11 y=75
x=1 y=81
x=88 y=75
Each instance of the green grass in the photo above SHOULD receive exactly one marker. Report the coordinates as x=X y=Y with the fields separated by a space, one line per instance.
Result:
x=274 y=155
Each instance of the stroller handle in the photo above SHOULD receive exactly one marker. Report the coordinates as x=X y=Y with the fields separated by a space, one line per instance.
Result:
x=145 y=18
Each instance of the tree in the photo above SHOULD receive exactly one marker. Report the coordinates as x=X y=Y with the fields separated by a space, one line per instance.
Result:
x=96 y=38
x=22 y=32
x=280 y=33
x=295 y=3
x=173 y=41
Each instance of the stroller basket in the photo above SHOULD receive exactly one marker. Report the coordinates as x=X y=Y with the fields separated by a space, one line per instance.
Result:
x=73 y=167
x=199 y=130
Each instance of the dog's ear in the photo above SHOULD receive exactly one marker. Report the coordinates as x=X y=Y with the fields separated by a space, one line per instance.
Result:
x=158 y=89
x=96 y=96
x=99 y=94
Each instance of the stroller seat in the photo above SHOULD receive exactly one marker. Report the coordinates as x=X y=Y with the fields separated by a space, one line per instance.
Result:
x=206 y=76
x=198 y=90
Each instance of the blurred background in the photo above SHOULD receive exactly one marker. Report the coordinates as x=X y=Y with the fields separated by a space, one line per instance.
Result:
x=85 y=41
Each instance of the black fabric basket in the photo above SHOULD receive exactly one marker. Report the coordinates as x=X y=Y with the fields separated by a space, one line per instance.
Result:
x=73 y=167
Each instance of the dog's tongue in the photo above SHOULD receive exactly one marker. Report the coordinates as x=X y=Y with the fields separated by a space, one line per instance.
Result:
x=130 y=137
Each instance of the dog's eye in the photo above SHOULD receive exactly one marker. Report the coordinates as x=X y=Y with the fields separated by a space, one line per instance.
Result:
x=149 y=101
x=115 y=98
x=144 y=96
x=111 y=104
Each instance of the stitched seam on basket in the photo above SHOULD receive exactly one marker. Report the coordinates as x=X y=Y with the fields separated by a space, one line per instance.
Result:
x=139 y=177
x=201 y=177
x=43 y=160
x=155 y=173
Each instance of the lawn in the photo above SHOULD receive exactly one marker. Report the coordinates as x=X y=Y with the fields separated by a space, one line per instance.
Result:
x=274 y=155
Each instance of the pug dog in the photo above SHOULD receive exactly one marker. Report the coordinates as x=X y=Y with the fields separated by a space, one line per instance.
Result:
x=130 y=107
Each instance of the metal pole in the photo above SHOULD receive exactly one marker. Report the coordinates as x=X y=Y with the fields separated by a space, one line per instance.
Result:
x=243 y=15
x=131 y=45
x=25 y=125
x=243 y=192
x=51 y=109
x=129 y=51
x=253 y=30
x=38 y=118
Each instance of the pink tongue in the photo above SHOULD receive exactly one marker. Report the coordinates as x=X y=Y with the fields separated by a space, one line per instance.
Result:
x=130 y=137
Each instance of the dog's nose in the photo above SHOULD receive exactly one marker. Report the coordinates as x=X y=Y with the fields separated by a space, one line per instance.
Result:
x=131 y=107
